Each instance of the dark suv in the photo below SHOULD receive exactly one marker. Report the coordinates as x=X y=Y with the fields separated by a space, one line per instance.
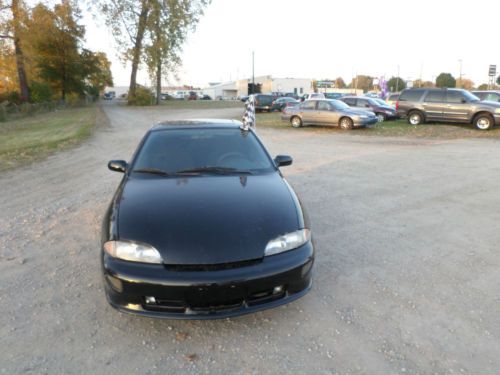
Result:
x=492 y=95
x=263 y=102
x=447 y=105
x=382 y=110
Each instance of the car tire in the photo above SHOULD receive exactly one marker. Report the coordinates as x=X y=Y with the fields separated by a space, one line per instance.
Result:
x=415 y=118
x=296 y=122
x=483 y=121
x=346 y=123
x=380 y=117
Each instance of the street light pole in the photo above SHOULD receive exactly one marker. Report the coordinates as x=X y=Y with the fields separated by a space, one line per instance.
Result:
x=253 y=72
x=460 y=76
x=397 y=81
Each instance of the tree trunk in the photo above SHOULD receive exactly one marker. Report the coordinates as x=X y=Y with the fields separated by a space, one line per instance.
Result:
x=143 y=17
x=158 y=62
x=21 y=71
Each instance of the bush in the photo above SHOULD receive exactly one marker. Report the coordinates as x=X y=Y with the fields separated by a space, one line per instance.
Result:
x=142 y=97
x=73 y=99
x=3 y=113
x=40 y=92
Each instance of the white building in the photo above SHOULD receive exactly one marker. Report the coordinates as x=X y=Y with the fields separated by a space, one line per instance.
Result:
x=234 y=89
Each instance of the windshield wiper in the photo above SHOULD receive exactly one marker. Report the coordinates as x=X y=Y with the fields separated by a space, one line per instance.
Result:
x=151 y=171
x=217 y=170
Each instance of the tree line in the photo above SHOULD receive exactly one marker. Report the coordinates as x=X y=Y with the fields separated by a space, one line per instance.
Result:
x=42 y=54
x=365 y=83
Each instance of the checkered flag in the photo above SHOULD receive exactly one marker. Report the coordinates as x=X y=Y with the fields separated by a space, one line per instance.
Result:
x=249 y=115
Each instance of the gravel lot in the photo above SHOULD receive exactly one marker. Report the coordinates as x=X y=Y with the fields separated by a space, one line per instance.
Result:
x=406 y=279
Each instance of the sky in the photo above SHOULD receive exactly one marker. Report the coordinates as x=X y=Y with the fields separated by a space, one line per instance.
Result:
x=321 y=39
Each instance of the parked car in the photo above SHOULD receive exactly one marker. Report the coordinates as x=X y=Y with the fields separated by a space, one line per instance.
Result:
x=280 y=103
x=192 y=96
x=314 y=95
x=110 y=95
x=333 y=95
x=243 y=98
x=392 y=98
x=203 y=225
x=382 y=110
x=263 y=102
x=327 y=112
x=166 y=96
x=205 y=97
x=491 y=95
x=419 y=105
x=291 y=95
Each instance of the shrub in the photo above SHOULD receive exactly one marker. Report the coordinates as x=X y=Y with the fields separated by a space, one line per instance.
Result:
x=142 y=97
x=40 y=92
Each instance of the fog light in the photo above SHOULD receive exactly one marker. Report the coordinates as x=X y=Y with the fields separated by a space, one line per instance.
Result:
x=278 y=289
x=150 y=300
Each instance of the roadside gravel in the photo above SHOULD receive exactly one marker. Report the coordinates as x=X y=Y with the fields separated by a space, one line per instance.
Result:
x=406 y=278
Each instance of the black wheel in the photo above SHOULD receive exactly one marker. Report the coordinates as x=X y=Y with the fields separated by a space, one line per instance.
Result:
x=483 y=121
x=415 y=118
x=296 y=121
x=380 y=117
x=346 y=123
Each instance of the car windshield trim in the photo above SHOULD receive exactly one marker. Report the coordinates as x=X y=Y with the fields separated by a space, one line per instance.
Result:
x=215 y=170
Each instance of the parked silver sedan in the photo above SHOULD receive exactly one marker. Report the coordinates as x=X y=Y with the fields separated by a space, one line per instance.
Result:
x=327 y=112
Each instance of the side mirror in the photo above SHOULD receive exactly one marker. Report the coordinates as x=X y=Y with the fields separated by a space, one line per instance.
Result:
x=118 y=166
x=464 y=101
x=367 y=105
x=283 y=160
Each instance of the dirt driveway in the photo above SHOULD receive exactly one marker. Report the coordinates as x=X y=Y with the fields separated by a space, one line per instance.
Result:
x=407 y=274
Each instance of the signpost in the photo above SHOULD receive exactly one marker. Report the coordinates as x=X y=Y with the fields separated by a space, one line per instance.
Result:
x=492 y=72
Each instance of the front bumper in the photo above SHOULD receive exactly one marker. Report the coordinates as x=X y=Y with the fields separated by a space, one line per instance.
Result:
x=203 y=294
x=365 y=121
x=497 y=119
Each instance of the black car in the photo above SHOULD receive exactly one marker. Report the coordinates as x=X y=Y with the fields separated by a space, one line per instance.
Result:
x=382 y=110
x=280 y=103
x=490 y=95
x=203 y=225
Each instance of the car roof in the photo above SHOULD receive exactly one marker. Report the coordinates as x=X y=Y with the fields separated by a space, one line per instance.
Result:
x=197 y=123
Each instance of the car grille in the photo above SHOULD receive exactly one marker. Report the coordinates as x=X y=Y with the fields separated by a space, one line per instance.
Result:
x=212 y=267
x=183 y=307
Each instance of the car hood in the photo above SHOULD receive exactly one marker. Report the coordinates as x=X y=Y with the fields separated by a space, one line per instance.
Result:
x=207 y=219
x=488 y=103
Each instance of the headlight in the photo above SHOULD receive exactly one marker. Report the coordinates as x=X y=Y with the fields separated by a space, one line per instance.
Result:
x=132 y=251
x=389 y=112
x=287 y=242
x=363 y=116
x=497 y=110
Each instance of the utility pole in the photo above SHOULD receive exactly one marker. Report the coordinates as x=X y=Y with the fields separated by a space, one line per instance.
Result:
x=397 y=81
x=460 y=75
x=253 y=72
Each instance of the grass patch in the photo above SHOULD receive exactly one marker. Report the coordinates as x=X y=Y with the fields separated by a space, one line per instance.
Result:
x=398 y=128
x=30 y=139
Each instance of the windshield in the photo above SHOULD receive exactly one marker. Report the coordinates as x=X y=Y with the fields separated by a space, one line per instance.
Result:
x=470 y=97
x=174 y=151
x=377 y=102
x=337 y=104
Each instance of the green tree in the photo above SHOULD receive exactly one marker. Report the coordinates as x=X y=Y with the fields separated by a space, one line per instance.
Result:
x=339 y=83
x=445 y=80
x=396 y=84
x=483 y=86
x=498 y=80
x=97 y=71
x=362 y=82
x=168 y=24
x=56 y=45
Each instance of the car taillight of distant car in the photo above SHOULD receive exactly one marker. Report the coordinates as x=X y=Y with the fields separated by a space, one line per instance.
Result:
x=397 y=105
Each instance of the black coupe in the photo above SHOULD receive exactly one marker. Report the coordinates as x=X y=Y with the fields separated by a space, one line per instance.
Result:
x=203 y=225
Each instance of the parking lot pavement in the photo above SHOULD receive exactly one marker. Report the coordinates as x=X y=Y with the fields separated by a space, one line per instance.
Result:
x=406 y=277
